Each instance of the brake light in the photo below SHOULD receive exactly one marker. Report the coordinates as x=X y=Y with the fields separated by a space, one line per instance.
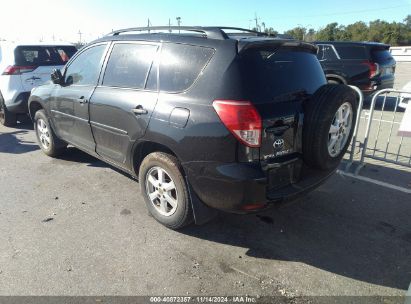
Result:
x=374 y=68
x=241 y=119
x=18 y=70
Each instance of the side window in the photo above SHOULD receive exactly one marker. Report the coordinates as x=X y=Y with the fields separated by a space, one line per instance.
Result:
x=320 y=53
x=85 y=68
x=181 y=65
x=351 y=52
x=329 y=53
x=129 y=64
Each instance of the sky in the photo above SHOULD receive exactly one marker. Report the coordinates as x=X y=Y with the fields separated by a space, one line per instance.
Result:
x=63 y=19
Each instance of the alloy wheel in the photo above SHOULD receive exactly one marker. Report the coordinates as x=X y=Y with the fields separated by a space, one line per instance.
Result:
x=340 y=129
x=43 y=134
x=161 y=191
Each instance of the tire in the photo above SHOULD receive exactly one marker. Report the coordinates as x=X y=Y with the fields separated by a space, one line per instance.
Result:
x=174 y=215
x=47 y=139
x=7 y=118
x=333 y=81
x=323 y=128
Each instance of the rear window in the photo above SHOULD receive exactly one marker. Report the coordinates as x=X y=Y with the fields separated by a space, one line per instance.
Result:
x=43 y=55
x=181 y=65
x=270 y=74
x=381 y=55
x=351 y=52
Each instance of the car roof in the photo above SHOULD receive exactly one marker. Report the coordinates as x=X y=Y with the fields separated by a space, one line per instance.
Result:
x=34 y=43
x=354 y=43
x=204 y=36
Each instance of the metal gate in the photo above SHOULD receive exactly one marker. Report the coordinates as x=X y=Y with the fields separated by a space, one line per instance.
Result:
x=381 y=123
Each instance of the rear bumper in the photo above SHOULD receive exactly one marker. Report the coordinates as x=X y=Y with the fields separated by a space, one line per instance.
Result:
x=19 y=104
x=233 y=187
x=378 y=84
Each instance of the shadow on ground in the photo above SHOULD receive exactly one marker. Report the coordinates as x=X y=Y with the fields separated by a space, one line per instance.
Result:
x=12 y=142
x=340 y=228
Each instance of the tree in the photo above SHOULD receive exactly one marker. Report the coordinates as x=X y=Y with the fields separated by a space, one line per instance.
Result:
x=297 y=33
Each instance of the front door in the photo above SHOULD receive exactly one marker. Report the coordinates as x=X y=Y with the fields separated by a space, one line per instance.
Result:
x=121 y=107
x=70 y=101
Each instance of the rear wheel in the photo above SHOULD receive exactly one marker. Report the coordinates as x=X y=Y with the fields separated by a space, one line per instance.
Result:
x=165 y=191
x=329 y=122
x=47 y=139
x=7 y=118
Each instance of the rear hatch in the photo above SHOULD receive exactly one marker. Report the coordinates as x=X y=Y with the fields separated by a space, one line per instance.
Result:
x=381 y=55
x=277 y=78
x=35 y=63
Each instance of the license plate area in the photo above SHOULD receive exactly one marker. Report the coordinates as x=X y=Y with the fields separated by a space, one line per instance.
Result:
x=284 y=175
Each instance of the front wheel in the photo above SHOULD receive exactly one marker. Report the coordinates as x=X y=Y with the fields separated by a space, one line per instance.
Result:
x=165 y=191
x=47 y=139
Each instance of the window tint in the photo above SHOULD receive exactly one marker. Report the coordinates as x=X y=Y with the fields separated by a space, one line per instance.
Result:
x=85 y=69
x=129 y=65
x=351 y=52
x=381 y=55
x=266 y=77
x=43 y=55
x=181 y=65
x=66 y=52
x=326 y=53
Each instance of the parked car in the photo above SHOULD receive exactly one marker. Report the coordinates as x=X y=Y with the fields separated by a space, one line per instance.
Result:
x=405 y=97
x=204 y=119
x=367 y=65
x=23 y=66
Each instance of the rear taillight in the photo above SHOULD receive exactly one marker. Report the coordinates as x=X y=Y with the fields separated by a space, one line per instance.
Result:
x=241 y=119
x=374 y=68
x=18 y=69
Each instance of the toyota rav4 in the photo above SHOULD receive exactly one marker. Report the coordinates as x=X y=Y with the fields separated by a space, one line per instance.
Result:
x=205 y=118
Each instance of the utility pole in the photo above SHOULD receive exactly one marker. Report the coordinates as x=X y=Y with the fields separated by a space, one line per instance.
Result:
x=179 y=23
x=257 y=26
x=148 y=25
x=79 y=34
x=169 y=25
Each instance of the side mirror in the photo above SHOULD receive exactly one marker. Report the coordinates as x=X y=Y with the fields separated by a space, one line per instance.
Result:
x=57 y=77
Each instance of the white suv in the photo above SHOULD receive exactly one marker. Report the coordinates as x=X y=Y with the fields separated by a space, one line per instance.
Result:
x=24 y=66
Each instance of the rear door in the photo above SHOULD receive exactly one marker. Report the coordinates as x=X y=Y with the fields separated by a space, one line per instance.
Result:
x=354 y=60
x=39 y=62
x=121 y=106
x=382 y=56
x=70 y=102
x=278 y=82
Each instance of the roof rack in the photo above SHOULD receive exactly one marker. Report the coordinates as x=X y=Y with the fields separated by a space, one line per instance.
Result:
x=208 y=32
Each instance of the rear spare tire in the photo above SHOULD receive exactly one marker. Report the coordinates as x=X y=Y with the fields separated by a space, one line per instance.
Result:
x=329 y=121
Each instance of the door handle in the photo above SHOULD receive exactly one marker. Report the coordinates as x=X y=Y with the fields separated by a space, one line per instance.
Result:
x=82 y=100
x=139 y=110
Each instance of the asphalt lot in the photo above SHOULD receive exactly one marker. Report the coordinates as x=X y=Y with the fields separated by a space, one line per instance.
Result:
x=76 y=226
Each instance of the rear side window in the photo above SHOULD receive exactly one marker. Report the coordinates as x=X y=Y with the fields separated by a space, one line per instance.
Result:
x=351 y=52
x=326 y=52
x=43 y=55
x=270 y=74
x=181 y=65
x=381 y=55
x=129 y=64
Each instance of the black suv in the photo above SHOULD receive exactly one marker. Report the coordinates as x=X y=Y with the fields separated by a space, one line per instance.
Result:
x=367 y=65
x=206 y=118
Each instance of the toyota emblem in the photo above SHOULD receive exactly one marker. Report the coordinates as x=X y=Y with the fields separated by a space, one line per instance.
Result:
x=279 y=144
